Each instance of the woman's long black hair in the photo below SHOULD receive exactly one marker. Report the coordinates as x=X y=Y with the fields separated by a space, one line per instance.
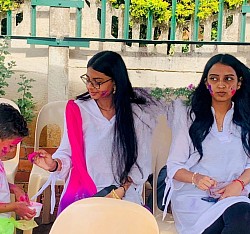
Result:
x=125 y=151
x=201 y=102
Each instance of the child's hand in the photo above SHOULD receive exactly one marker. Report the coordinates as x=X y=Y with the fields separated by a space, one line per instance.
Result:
x=23 y=211
x=19 y=193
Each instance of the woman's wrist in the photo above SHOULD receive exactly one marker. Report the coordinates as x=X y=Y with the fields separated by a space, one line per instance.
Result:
x=241 y=182
x=124 y=189
x=54 y=166
x=193 y=179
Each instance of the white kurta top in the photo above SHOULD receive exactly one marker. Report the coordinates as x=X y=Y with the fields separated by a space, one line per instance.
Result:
x=224 y=159
x=98 y=137
x=4 y=190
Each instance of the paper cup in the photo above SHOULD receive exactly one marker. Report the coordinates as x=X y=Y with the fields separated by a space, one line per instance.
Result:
x=36 y=206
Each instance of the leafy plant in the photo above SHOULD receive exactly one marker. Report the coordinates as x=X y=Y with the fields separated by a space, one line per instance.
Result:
x=162 y=9
x=26 y=102
x=169 y=94
x=5 y=69
x=6 y=5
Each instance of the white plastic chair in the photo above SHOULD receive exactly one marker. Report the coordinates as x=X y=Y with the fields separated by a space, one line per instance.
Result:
x=51 y=113
x=160 y=148
x=11 y=165
x=105 y=215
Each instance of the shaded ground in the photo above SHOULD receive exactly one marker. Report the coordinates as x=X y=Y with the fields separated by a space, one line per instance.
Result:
x=41 y=229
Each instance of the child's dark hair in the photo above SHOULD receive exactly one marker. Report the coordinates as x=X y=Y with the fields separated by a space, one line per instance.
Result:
x=12 y=123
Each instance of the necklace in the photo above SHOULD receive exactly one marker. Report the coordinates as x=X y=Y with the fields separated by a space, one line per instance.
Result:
x=110 y=109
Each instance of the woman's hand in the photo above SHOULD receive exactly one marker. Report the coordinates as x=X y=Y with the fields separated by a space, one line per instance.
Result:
x=204 y=182
x=44 y=160
x=23 y=211
x=232 y=189
x=119 y=193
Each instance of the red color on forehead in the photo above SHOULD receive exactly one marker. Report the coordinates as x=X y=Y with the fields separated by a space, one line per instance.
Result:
x=16 y=141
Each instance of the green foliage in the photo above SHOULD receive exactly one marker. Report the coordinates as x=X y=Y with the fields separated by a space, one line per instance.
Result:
x=208 y=8
x=6 y=5
x=5 y=69
x=232 y=4
x=184 y=10
x=162 y=9
x=26 y=102
x=169 y=94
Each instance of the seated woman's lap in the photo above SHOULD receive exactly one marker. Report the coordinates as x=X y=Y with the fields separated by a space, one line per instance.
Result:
x=235 y=220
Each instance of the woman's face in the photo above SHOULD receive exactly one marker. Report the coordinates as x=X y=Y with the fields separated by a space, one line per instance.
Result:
x=98 y=84
x=8 y=145
x=222 y=82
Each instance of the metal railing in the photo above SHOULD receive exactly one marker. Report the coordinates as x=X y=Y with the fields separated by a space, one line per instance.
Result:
x=79 y=41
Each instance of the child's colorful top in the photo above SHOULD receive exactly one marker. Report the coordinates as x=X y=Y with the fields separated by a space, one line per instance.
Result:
x=4 y=190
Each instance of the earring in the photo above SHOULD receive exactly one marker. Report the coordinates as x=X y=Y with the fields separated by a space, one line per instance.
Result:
x=114 y=89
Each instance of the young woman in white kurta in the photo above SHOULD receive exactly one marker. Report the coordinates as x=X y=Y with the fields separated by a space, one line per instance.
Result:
x=224 y=156
x=116 y=132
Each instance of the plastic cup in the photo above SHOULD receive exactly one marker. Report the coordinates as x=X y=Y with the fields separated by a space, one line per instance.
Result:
x=36 y=206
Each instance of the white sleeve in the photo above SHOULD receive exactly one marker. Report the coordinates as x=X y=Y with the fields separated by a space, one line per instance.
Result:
x=64 y=154
x=179 y=150
x=180 y=147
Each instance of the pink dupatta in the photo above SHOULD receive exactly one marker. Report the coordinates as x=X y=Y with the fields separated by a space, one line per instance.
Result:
x=80 y=183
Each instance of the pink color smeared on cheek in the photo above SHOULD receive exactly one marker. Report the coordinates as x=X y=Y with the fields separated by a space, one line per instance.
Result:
x=104 y=93
x=16 y=141
x=233 y=91
x=210 y=89
x=4 y=150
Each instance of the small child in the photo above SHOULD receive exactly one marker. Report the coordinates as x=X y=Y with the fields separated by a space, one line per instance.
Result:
x=12 y=130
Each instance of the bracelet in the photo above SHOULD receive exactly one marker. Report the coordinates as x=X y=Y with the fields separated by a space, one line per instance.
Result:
x=55 y=169
x=114 y=194
x=192 y=180
x=241 y=182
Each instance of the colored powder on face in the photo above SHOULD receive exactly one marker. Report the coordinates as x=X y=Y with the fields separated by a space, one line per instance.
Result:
x=4 y=150
x=233 y=91
x=210 y=89
x=16 y=141
x=104 y=93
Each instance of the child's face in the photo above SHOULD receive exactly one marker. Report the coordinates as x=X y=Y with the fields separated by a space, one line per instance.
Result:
x=8 y=145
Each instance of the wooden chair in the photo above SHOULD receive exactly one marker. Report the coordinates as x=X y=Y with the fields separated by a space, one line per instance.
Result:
x=105 y=215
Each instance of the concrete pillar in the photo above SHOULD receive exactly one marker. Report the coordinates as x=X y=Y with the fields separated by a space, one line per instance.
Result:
x=58 y=75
